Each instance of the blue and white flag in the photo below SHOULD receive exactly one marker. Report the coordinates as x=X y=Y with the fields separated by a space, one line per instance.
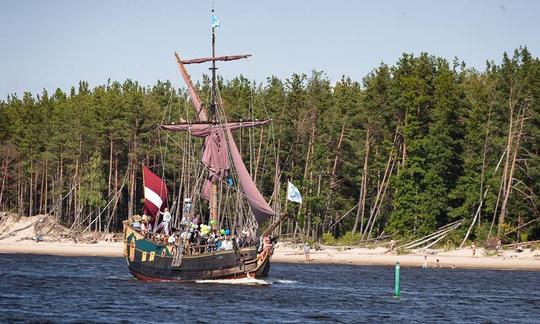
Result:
x=215 y=21
x=292 y=193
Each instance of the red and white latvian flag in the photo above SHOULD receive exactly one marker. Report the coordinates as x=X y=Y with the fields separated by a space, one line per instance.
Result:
x=155 y=193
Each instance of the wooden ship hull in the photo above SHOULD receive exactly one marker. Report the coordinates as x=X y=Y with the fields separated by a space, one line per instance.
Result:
x=148 y=261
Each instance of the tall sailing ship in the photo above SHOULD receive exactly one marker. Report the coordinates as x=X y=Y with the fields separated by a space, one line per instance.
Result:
x=150 y=256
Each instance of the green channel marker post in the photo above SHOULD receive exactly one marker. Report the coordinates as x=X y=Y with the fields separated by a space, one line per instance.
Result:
x=396 y=290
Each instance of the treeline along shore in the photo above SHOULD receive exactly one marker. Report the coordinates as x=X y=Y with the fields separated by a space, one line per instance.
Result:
x=411 y=148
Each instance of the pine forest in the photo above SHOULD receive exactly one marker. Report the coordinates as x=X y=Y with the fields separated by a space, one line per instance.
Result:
x=413 y=148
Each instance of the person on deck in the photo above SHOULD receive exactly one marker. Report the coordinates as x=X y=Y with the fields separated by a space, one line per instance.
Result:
x=218 y=243
x=227 y=243
x=165 y=224
x=145 y=225
x=172 y=238
x=242 y=241
x=267 y=250
x=196 y=220
x=197 y=241
x=185 y=236
x=185 y=220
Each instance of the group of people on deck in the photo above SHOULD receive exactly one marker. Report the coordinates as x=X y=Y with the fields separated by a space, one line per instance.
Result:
x=196 y=238
x=145 y=224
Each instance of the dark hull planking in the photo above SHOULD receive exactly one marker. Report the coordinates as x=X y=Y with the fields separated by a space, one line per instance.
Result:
x=148 y=261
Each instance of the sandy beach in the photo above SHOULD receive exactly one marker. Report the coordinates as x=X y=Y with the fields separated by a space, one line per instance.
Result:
x=24 y=229
x=284 y=253
x=462 y=258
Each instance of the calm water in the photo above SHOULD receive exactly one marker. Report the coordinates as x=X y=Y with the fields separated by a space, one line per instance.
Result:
x=89 y=289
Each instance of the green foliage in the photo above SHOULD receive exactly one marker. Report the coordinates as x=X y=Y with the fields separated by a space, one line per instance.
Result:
x=452 y=240
x=481 y=233
x=328 y=239
x=438 y=128
x=93 y=183
x=346 y=239
x=349 y=239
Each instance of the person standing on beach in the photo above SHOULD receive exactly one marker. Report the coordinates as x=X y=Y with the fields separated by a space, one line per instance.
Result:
x=425 y=265
x=306 y=251
x=473 y=247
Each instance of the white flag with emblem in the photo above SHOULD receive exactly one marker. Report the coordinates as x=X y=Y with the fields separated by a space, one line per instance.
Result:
x=293 y=194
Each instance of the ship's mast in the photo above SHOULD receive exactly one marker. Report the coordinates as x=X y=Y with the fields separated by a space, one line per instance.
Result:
x=213 y=117
x=213 y=105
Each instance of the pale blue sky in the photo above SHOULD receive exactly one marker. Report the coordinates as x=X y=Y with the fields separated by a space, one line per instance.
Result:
x=50 y=44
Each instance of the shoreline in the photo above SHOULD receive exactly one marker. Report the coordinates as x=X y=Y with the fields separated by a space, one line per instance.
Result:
x=100 y=249
x=415 y=261
x=458 y=259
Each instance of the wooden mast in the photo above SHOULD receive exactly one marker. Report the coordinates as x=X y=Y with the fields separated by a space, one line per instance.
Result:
x=213 y=117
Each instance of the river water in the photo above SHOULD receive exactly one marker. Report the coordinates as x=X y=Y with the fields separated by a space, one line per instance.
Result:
x=91 y=289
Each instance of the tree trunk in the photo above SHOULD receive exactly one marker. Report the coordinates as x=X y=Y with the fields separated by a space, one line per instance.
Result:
x=333 y=174
x=109 y=180
x=509 y=180
x=46 y=179
x=132 y=177
x=362 y=197
x=507 y=161
x=374 y=212
x=31 y=202
x=4 y=177
x=482 y=175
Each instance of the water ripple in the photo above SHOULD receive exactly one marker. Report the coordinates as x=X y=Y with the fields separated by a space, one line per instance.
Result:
x=38 y=288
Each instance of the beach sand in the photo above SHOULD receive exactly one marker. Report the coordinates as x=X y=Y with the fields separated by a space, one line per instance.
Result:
x=460 y=258
x=105 y=249
x=284 y=253
x=21 y=242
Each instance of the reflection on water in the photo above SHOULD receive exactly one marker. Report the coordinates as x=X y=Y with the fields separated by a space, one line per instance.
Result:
x=90 y=289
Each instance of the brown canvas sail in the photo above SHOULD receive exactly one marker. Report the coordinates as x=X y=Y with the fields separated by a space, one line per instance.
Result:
x=259 y=207
x=218 y=141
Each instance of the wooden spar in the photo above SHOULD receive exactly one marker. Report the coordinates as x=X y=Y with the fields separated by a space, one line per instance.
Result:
x=201 y=113
x=265 y=121
x=272 y=227
x=215 y=58
x=212 y=117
